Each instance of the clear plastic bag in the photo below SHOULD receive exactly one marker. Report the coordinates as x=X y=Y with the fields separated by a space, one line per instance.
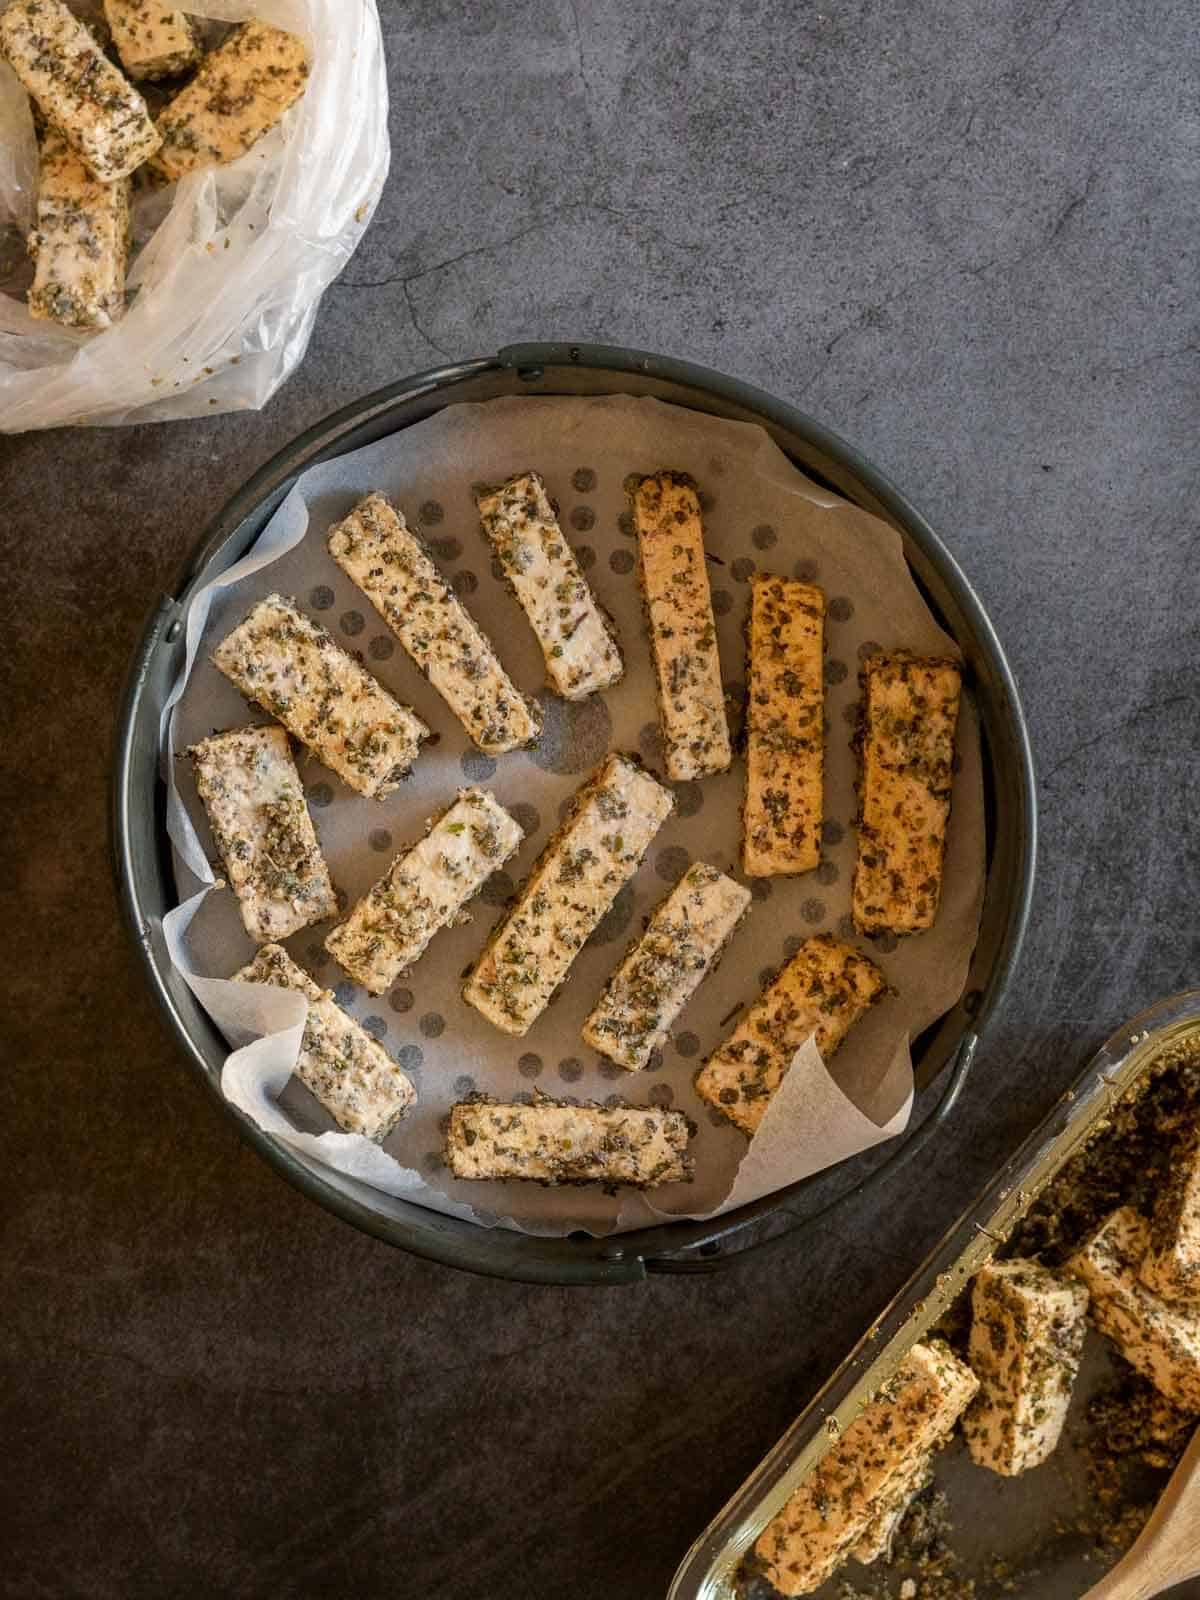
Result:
x=229 y=263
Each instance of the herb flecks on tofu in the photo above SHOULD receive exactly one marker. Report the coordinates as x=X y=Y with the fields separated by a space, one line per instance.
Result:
x=662 y=970
x=821 y=992
x=679 y=617
x=1027 y=1334
x=855 y=1481
x=427 y=887
x=77 y=88
x=254 y=799
x=288 y=664
x=598 y=848
x=348 y=1071
x=376 y=549
x=552 y=1142
x=239 y=93
x=785 y=741
x=80 y=242
x=577 y=639
x=906 y=746
x=152 y=40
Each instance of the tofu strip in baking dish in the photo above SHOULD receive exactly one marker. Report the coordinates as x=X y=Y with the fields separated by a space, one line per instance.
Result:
x=1161 y=1338
x=288 y=664
x=577 y=640
x=376 y=550
x=152 y=40
x=252 y=793
x=909 y=716
x=785 y=741
x=683 y=630
x=664 y=968
x=599 y=847
x=239 y=93
x=551 y=1142
x=76 y=86
x=858 y=1478
x=348 y=1071
x=80 y=241
x=425 y=889
x=1026 y=1338
x=822 y=991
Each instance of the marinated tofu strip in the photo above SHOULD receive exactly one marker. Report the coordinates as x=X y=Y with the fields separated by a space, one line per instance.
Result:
x=240 y=92
x=664 y=968
x=837 y=1503
x=287 y=663
x=152 y=40
x=1171 y=1265
x=376 y=550
x=785 y=742
x=351 y=1074
x=425 y=889
x=255 y=803
x=1026 y=1338
x=576 y=638
x=593 y=855
x=551 y=1143
x=910 y=711
x=880 y=1535
x=80 y=241
x=683 y=630
x=96 y=109
x=822 y=991
x=1158 y=1337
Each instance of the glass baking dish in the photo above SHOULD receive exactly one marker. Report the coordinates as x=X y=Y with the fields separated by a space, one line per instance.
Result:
x=1010 y=1536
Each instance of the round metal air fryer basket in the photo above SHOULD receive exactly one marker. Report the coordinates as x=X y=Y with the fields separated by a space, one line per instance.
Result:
x=943 y=1052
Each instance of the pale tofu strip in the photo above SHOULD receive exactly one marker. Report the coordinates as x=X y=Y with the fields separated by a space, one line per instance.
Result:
x=351 y=1074
x=287 y=663
x=881 y=1531
x=255 y=803
x=425 y=889
x=550 y=1142
x=822 y=992
x=664 y=968
x=1160 y=1338
x=240 y=92
x=80 y=92
x=152 y=40
x=576 y=638
x=909 y=716
x=376 y=550
x=836 y=1504
x=1026 y=1339
x=1171 y=1265
x=785 y=742
x=80 y=241
x=683 y=630
x=599 y=847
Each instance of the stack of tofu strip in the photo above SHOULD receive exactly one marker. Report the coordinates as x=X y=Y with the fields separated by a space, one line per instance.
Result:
x=99 y=131
x=283 y=661
x=1138 y=1280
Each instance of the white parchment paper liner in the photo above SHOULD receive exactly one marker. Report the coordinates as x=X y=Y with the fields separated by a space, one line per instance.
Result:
x=760 y=511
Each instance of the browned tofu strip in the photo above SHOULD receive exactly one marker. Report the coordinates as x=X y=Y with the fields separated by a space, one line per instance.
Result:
x=683 y=631
x=836 y=1505
x=785 y=744
x=910 y=711
x=822 y=991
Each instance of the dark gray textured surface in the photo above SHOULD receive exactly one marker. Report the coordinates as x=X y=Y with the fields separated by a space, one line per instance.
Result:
x=961 y=236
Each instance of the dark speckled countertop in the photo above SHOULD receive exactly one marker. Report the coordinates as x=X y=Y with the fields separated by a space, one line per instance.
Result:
x=963 y=236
